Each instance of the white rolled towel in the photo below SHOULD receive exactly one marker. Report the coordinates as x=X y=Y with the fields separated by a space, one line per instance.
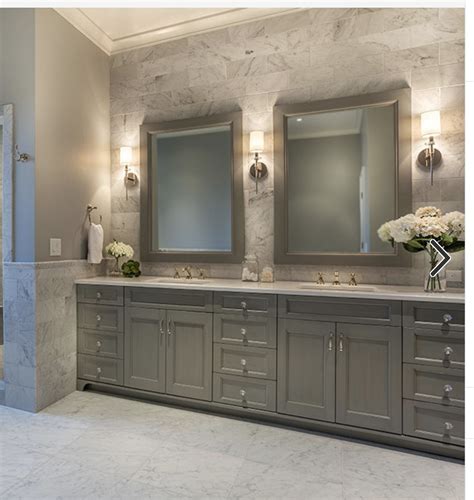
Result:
x=95 y=244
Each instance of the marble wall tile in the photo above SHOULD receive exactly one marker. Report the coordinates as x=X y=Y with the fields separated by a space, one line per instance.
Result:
x=309 y=54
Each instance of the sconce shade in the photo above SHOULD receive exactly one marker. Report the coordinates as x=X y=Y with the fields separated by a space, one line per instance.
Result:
x=257 y=142
x=430 y=124
x=125 y=155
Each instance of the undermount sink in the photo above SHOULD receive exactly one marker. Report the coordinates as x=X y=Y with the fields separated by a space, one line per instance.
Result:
x=339 y=288
x=180 y=281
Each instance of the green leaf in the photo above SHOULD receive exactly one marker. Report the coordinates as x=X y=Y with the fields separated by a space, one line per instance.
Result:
x=412 y=249
x=456 y=246
x=414 y=244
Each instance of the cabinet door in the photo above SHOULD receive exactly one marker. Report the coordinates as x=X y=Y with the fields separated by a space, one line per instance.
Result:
x=306 y=368
x=145 y=349
x=189 y=354
x=369 y=376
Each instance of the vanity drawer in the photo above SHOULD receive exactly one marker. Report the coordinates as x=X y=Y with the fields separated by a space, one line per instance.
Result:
x=100 y=294
x=189 y=300
x=252 y=331
x=97 y=317
x=432 y=315
x=434 y=385
x=434 y=422
x=433 y=347
x=105 y=370
x=245 y=391
x=245 y=304
x=344 y=310
x=245 y=361
x=105 y=344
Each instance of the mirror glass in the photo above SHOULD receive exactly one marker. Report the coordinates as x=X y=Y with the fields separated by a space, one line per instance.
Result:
x=341 y=179
x=191 y=190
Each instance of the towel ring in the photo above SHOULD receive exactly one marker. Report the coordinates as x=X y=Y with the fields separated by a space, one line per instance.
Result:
x=90 y=208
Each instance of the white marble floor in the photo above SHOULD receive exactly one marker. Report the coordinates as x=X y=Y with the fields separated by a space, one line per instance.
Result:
x=92 y=446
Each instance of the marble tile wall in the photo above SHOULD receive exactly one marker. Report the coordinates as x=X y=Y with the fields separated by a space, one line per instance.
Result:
x=307 y=55
x=40 y=331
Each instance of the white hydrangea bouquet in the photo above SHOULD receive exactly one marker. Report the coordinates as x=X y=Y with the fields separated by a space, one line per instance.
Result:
x=118 y=249
x=416 y=230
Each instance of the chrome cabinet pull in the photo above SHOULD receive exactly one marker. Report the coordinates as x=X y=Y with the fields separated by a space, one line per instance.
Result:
x=447 y=389
x=331 y=336
x=98 y=318
x=448 y=351
x=162 y=326
x=243 y=393
x=448 y=426
x=243 y=332
x=98 y=295
x=244 y=305
x=341 y=343
x=447 y=318
x=99 y=345
x=169 y=327
x=243 y=362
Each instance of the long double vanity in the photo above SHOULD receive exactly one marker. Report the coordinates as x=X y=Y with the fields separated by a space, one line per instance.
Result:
x=385 y=365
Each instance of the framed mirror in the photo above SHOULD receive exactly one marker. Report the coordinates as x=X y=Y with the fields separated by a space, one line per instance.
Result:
x=342 y=169
x=192 y=190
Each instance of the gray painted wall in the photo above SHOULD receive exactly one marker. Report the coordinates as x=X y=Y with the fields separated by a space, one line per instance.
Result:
x=17 y=76
x=72 y=135
x=323 y=194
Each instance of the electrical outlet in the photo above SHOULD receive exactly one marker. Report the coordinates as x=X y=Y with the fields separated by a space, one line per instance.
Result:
x=454 y=276
x=55 y=247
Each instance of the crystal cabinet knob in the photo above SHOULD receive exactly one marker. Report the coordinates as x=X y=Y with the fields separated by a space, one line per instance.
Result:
x=98 y=317
x=448 y=388
x=447 y=318
x=448 y=426
x=244 y=305
x=243 y=331
x=243 y=362
x=99 y=344
x=448 y=351
x=243 y=393
x=98 y=295
x=99 y=370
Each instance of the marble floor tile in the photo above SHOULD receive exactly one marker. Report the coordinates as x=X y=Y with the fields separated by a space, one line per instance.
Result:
x=95 y=447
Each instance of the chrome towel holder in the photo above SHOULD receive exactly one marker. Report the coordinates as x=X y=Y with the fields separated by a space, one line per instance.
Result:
x=90 y=209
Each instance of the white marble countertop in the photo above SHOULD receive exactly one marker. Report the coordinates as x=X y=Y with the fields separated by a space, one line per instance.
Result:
x=363 y=291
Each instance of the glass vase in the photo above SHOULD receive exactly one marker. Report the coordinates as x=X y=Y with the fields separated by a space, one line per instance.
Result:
x=437 y=283
x=116 y=268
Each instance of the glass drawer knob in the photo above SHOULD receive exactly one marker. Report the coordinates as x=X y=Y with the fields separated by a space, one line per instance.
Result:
x=448 y=388
x=243 y=304
x=243 y=362
x=448 y=426
x=243 y=331
x=99 y=370
x=99 y=344
x=448 y=351
x=447 y=318
x=242 y=393
x=99 y=295
x=99 y=317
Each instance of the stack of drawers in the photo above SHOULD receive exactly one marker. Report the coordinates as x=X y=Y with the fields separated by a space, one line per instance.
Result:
x=433 y=371
x=245 y=350
x=100 y=334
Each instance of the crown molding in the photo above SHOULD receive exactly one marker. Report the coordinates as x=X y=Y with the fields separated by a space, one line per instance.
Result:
x=213 y=22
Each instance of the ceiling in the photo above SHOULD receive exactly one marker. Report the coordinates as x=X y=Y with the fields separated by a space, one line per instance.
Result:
x=116 y=30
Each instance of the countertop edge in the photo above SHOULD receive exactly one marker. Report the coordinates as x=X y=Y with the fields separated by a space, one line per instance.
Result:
x=384 y=292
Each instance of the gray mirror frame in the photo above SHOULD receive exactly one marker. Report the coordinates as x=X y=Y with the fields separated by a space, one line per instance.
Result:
x=402 y=100
x=238 y=224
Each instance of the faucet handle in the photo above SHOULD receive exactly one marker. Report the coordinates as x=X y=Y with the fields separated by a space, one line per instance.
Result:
x=336 y=278
x=201 y=273
x=353 y=281
x=320 y=280
x=176 y=273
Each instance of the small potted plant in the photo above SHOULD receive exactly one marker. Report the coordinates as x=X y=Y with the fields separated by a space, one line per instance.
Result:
x=415 y=231
x=118 y=249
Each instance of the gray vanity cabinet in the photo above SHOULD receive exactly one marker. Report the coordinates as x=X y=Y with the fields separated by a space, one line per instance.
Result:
x=189 y=354
x=369 y=377
x=306 y=368
x=145 y=349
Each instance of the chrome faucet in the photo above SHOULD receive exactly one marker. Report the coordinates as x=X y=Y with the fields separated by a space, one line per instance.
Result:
x=320 y=280
x=188 y=273
x=352 y=281
x=336 y=278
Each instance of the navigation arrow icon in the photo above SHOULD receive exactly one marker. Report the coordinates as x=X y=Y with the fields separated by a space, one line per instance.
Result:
x=445 y=258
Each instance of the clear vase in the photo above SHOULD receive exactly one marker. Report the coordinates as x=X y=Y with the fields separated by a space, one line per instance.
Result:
x=116 y=268
x=437 y=283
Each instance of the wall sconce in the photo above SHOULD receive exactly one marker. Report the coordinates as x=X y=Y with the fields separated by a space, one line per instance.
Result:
x=430 y=128
x=130 y=179
x=258 y=170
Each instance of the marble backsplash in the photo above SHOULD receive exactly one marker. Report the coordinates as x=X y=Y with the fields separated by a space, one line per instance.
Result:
x=307 y=55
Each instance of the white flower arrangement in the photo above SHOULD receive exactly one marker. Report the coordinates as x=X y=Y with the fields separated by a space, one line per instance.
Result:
x=119 y=249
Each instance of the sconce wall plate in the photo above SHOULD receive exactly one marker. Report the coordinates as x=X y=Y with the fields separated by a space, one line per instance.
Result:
x=262 y=170
x=424 y=158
